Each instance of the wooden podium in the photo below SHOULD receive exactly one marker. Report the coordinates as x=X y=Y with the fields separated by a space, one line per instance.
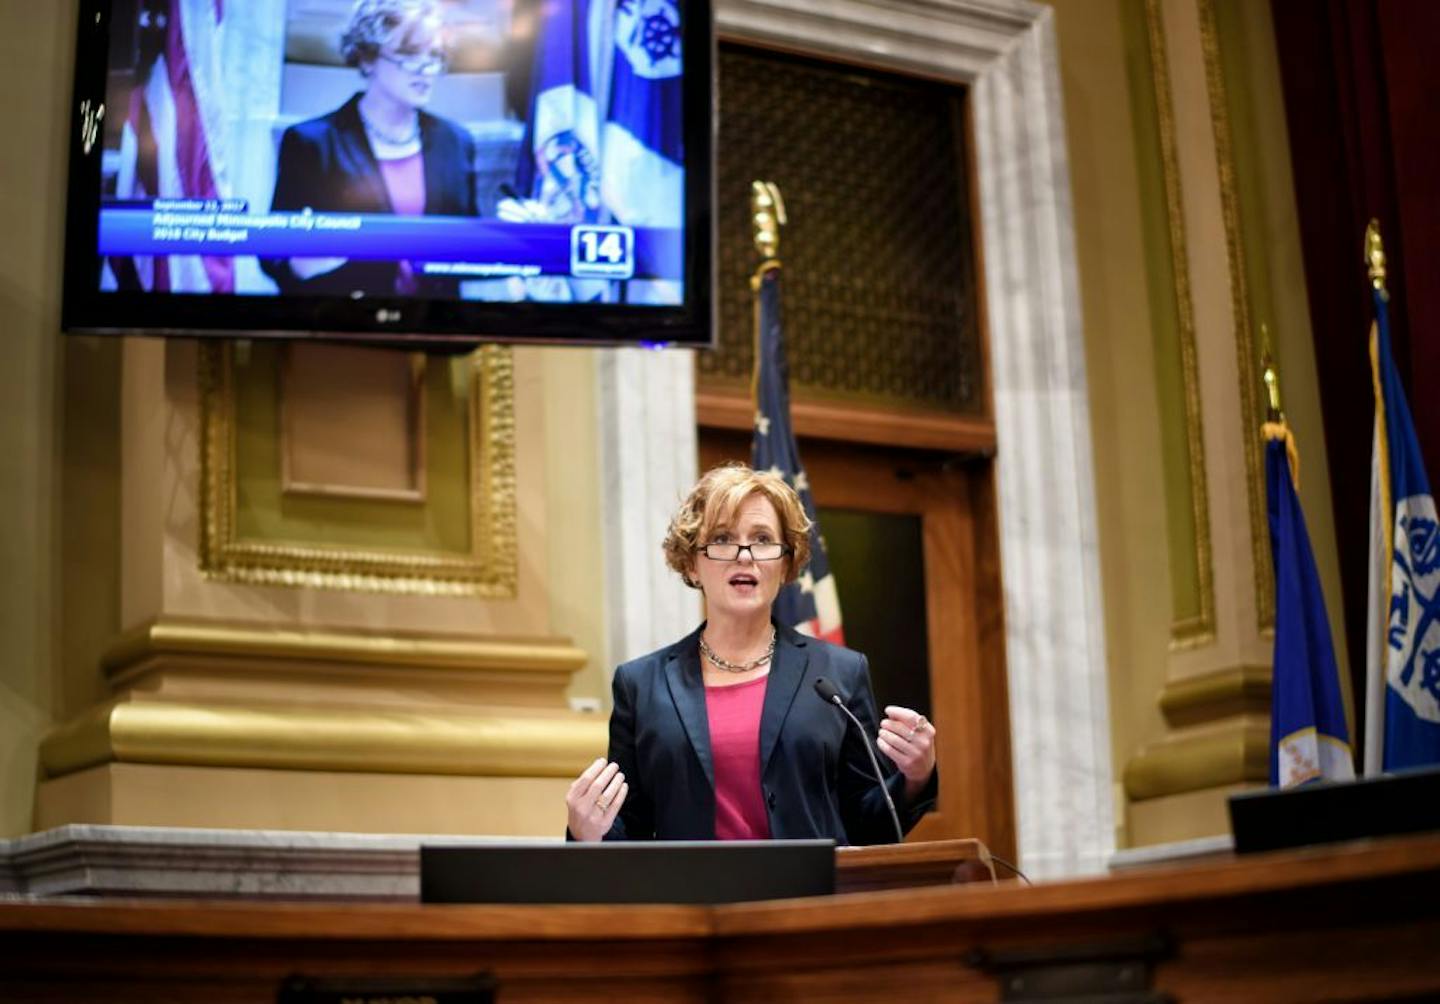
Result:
x=907 y=866
x=1349 y=922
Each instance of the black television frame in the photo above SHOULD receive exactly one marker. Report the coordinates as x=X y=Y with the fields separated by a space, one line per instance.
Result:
x=418 y=323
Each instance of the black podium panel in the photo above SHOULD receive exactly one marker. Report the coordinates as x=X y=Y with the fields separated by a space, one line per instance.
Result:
x=632 y=872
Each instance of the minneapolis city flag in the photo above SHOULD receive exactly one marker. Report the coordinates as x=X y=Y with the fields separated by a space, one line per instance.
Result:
x=1308 y=738
x=604 y=138
x=810 y=604
x=1403 y=642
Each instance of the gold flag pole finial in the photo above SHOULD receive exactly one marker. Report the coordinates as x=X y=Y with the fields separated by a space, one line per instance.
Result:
x=1274 y=413
x=1375 y=258
x=768 y=215
x=1275 y=427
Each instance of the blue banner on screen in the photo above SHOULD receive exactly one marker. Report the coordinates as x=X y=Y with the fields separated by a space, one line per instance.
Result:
x=445 y=245
x=486 y=150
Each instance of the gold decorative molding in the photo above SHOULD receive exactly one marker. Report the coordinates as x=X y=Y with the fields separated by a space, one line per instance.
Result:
x=1239 y=690
x=282 y=738
x=203 y=662
x=1240 y=308
x=1225 y=718
x=214 y=694
x=1239 y=753
x=488 y=569
x=168 y=637
x=1198 y=630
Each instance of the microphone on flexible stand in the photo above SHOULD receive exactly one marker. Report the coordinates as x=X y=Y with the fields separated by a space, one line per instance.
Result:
x=830 y=695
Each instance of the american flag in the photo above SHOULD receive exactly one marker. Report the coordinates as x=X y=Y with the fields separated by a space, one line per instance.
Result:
x=810 y=604
x=171 y=144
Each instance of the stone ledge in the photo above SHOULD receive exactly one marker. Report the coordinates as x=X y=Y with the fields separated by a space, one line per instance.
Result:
x=138 y=861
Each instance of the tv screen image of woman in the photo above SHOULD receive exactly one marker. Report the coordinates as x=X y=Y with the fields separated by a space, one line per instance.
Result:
x=379 y=152
x=722 y=734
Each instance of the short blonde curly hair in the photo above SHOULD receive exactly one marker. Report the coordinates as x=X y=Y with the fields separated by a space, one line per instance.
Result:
x=713 y=502
x=373 y=23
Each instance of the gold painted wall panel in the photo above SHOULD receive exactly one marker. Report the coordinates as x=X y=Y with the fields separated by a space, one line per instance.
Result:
x=265 y=512
x=1244 y=245
x=1247 y=352
x=68 y=589
x=353 y=422
x=1167 y=283
x=43 y=631
x=1229 y=429
x=1103 y=135
x=461 y=540
x=1269 y=229
x=138 y=794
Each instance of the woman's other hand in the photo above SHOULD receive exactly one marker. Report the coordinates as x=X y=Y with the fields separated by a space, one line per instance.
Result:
x=594 y=800
x=522 y=211
x=908 y=738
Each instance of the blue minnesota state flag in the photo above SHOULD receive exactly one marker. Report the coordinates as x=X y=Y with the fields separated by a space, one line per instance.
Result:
x=1403 y=670
x=1308 y=737
x=810 y=604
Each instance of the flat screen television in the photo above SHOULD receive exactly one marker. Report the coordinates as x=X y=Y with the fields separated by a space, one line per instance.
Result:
x=425 y=172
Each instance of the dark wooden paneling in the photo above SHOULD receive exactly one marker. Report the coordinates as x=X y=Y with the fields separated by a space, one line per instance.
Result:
x=1350 y=922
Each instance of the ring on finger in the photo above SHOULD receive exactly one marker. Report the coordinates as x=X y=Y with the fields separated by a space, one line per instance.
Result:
x=601 y=804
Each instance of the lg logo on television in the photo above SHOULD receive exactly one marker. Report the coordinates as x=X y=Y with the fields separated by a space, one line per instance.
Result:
x=386 y=316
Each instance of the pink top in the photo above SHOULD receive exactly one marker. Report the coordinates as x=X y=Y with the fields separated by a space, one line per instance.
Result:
x=405 y=182
x=734 y=714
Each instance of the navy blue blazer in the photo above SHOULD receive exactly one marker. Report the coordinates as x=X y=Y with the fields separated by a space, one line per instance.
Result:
x=326 y=164
x=815 y=774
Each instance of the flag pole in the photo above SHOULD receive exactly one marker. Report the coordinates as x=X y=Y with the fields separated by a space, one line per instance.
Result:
x=1382 y=537
x=809 y=603
x=1274 y=413
x=1275 y=426
x=1375 y=268
x=767 y=216
x=1375 y=259
x=1401 y=675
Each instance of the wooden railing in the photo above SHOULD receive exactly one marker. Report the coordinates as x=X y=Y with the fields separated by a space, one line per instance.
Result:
x=1348 y=922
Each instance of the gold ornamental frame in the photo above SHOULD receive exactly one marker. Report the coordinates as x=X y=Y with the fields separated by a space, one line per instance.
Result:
x=1198 y=630
x=489 y=568
x=1247 y=358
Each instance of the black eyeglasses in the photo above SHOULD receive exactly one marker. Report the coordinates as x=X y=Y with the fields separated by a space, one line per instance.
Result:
x=763 y=551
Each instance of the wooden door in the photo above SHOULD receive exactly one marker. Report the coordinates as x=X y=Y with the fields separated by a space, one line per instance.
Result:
x=921 y=531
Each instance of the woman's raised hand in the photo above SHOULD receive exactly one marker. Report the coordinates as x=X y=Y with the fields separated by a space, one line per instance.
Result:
x=522 y=211
x=908 y=738
x=594 y=800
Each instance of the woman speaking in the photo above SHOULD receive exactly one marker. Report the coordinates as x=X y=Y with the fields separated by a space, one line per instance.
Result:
x=722 y=734
x=379 y=152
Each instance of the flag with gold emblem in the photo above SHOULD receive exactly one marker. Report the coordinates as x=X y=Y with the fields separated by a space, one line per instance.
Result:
x=1403 y=687
x=1309 y=740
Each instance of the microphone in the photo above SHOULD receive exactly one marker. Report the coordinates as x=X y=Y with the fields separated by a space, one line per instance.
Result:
x=831 y=695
